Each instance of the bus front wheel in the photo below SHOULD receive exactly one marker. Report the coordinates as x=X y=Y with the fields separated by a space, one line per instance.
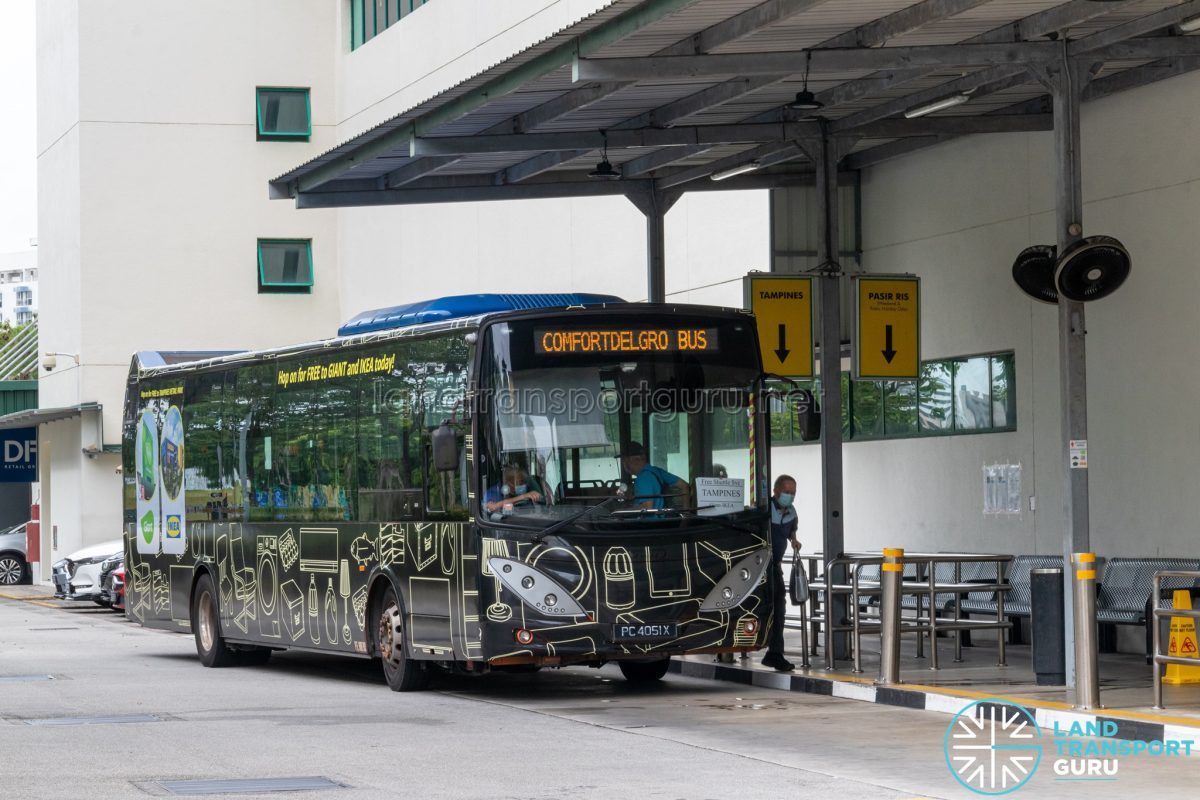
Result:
x=645 y=671
x=206 y=626
x=403 y=674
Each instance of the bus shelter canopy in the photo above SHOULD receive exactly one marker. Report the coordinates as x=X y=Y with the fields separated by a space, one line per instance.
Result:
x=675 y=93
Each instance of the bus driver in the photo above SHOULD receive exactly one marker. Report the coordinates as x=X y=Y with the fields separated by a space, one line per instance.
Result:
x=513 y=489
x=651 y=485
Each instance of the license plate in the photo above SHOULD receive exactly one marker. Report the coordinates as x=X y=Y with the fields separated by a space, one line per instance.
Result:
x=644 y=631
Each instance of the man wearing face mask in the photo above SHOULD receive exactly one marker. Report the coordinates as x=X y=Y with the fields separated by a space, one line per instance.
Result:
x=783 y=530
x=513 y=489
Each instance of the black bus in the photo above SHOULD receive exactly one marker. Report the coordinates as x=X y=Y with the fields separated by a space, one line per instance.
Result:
x=451 y=484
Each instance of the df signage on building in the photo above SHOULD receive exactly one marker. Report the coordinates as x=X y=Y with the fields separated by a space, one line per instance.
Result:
x=887 y=327
x=783 y=309
x=18 y=455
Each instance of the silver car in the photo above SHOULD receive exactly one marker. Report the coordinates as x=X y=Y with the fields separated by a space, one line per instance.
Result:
x=14 y=568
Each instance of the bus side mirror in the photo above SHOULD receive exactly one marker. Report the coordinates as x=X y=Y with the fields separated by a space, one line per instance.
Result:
x=444 y=443
x=808 y=419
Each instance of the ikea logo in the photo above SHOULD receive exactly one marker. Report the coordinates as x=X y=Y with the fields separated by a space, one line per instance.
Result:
x=174 y=528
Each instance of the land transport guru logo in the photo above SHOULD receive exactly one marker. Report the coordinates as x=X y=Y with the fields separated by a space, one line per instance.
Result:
x=993 y=746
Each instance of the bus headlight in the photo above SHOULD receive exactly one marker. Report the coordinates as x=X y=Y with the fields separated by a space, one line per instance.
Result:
x=737 y=584
x=535 y=588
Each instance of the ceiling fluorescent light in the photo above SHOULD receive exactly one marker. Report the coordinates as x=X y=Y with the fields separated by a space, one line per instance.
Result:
x=1190 y=25
x=937 y=105
x=741 y=169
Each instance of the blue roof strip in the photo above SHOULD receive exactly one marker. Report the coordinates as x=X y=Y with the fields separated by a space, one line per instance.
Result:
x=464 y=305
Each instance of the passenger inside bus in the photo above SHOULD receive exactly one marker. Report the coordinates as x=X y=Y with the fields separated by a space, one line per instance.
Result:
x=652 y=485
x=514 y=489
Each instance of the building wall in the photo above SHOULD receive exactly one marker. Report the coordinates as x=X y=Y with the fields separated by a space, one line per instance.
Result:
x=957 y=215
x=439 y=45
x=152 y=194
x=406 y=253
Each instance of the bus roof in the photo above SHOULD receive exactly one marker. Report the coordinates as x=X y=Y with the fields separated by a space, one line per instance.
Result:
x=449 y=313
x=465 y=305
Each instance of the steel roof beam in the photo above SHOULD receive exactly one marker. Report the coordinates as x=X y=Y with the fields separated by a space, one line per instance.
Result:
x=1135 y=27
x=766 y=155
x=565 y=103
x=873 y=33
x=991 y=80
x=634 y=19
x=740 y=25
x=736 y=26
x=578 y=186
x=744 y=24
x=701 y=135
x=1054 y=20
x=1101 y=87
x=847 y=59
x=1145 y=49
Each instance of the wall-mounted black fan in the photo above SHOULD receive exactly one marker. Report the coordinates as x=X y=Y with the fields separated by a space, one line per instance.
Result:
x=1092 y=268
x=1034 y=272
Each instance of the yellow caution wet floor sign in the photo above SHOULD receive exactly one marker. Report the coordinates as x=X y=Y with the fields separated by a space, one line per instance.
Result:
x=1183 y=644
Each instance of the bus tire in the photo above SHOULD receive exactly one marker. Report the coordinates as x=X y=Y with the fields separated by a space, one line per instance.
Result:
x=403 y=674
x=645 y=671
x=206 y=626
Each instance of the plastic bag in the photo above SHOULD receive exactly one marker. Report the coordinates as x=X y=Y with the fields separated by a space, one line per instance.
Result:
x=798 y=582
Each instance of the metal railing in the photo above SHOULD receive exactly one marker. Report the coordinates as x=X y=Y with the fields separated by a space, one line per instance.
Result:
x=864 y=618
x=1161 y=658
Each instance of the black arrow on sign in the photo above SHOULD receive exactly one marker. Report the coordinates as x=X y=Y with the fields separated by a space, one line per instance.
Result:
x=782 y=352
x=888 y=352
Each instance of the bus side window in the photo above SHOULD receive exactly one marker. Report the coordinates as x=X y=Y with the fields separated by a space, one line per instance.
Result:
x=202 y=403
x=441 y=373
x=388 y=452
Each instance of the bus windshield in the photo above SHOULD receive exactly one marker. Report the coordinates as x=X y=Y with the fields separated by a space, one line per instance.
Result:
x=654 y=410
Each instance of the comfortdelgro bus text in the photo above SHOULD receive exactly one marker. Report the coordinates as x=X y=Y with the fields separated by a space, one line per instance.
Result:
x=451 y=485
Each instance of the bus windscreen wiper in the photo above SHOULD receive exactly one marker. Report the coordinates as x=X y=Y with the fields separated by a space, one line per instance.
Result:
x=562 y=523
x=690 y=513
x=724 y=523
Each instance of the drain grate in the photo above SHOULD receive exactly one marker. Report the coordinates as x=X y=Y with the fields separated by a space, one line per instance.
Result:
x=249 y=785
x=23 y=678
x=55 y=629
x=95 y=720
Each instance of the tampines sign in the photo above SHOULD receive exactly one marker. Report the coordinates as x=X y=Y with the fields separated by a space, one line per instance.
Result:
x=18 y=455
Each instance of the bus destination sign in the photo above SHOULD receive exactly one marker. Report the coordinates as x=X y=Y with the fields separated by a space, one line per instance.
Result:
x=624 y=340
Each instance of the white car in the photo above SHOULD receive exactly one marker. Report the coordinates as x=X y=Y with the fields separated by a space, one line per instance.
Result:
x=77 y=577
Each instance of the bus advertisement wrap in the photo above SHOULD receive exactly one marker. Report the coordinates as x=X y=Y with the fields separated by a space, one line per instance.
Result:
x=425 y=498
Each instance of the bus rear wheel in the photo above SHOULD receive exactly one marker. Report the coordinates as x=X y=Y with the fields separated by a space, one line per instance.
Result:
x=206 y=627
x=645 y=671
x=403 y=674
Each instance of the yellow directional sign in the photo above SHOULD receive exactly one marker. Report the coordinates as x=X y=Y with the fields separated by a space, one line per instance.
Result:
x=783 y=308
x=887 y=327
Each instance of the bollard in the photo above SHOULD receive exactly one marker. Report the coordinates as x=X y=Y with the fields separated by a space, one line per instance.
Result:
x=1087 y=655
x=890 y=576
